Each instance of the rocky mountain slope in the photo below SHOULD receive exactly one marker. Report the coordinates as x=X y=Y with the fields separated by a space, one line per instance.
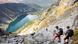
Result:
x=65 y=9
x=64 y=14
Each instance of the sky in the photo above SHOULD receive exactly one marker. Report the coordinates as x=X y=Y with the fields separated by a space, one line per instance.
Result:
x=42 y=3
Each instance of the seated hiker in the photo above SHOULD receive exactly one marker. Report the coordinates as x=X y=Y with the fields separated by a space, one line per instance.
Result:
x=32 y=34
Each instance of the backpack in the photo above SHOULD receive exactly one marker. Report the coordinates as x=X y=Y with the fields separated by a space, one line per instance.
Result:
x=60 y=31
x=70 y=32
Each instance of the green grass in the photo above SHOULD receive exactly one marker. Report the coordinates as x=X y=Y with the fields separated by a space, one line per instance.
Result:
x=75 y=38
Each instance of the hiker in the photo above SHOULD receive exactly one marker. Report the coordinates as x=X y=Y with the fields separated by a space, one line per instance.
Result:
x=69 y=33
x=55 y=30
x=58 y=33
x=32 y=34
x=46 y=29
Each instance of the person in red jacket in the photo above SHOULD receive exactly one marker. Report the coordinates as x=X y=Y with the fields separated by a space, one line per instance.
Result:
x=58 y=33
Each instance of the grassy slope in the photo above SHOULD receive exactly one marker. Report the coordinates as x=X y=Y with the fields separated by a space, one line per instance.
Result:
x=75 y=38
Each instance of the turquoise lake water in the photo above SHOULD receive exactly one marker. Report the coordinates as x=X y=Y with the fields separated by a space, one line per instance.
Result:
x=18 y=23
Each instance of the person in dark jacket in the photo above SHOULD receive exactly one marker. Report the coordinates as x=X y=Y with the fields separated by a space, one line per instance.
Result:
x=69 y=33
